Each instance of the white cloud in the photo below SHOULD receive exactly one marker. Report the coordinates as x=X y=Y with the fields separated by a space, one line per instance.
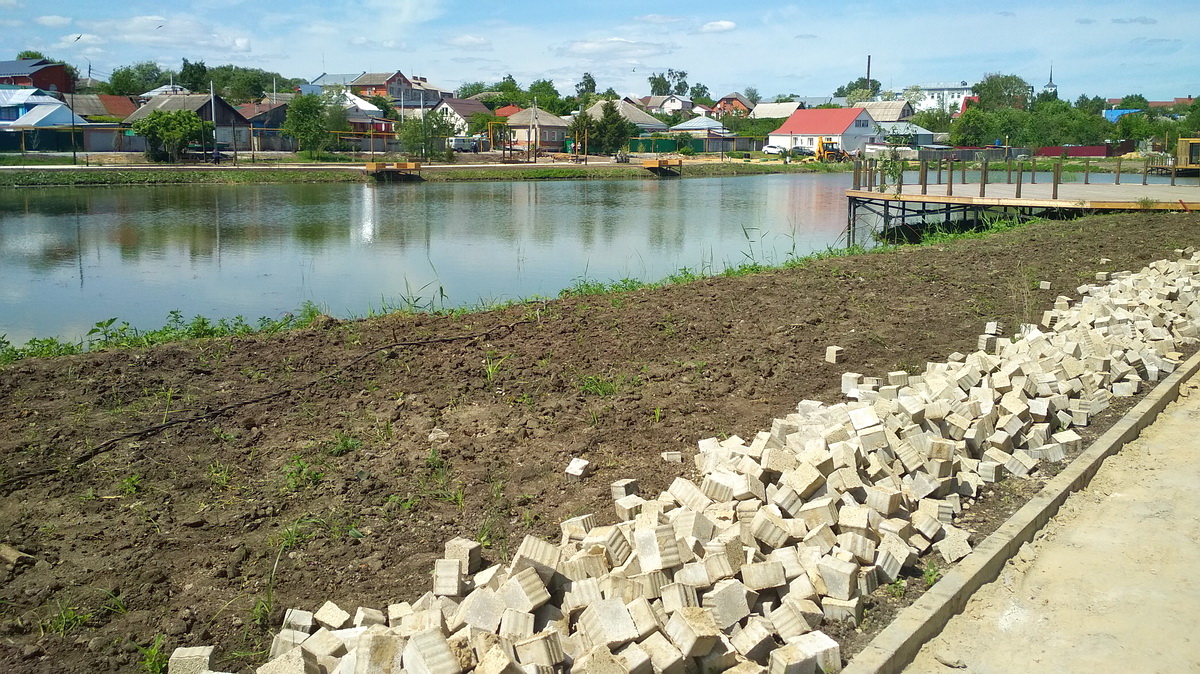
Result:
x=1085 y=21
x=614 y=47
x=10 y=3
x=78 y=40
x=1144 y=20
x=176 y=33
x=717 y=27
x=807 y=36
x=470 y=43
x=10 y=23
x=53 y=20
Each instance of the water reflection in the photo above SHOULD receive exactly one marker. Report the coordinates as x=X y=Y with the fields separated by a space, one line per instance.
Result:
x=71 y=257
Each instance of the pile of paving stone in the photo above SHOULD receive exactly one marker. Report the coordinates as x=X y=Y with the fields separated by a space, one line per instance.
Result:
x=783 y=532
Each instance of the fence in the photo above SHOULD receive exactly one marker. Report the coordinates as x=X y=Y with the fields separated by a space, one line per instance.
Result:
x=669 y=145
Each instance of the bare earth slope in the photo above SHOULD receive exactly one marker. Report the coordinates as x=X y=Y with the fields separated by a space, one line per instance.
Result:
x=309 y=474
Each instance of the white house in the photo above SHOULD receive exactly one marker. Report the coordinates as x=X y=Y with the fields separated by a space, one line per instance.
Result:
x=942 y=96
x=459 y=111
x=666 y=105
x=850 y=128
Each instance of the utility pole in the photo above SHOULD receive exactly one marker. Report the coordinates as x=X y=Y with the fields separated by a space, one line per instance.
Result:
x=869 y=75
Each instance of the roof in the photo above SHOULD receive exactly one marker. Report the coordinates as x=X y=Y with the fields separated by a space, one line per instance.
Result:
x=252 y=110
x=483 y=95
x=330 y=79
x=774 y=110
x=887 y=111
x=25 y=96
x=24 y=66
x=102 y=105
x=508 y=110
x=166 y=89
x=630 y=112
x=814 y=101
x=737 y=96
x=463 y=107
x=373 y=79
x=57 y=114
x=173 y=102
x=544 y=119
x=820 y=122
x=657 y=101
x=701 y=124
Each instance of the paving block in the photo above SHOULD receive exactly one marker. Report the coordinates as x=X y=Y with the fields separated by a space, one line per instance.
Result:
x=330 y=616
x=657 y=548
x=285 y=640
x=614 y=542
x=822 y=648
x=693 y=631
x=722 y=657
x=579 y=467
x=516 y=625
x=677 y=596
x=840 y=577
x=379 y=652
x=791 y=659
x=954 y=545
x=645 y=620
x=299 y=620
x=756 y=640
x=835 y=354
x=428 y=652
x=851 y=381
x=664 y=655
x=635 y=660
x=598 y=660
x=728 y=602
x=448 y=578
x=496 y=660
x=482 y=609
x=466 y=551
x=295 y=661
x=324 y=643
x=688 y=494
x=843 y=609
x=576 y=528
x=542 y=649
x=191 y=660
x=860 y=546
x=1021 y=463
x=538 y=555
x=607 y=623
x=764 y=575
x=524 y=591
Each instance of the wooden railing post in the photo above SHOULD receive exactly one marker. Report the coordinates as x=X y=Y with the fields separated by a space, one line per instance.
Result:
x=1020 y=170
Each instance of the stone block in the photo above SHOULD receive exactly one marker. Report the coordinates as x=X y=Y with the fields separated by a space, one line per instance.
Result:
x=574 y=529
x=496 y=660
x=822 y=648
x=330 y=616
x=448 y=578
x=607 y=623
x=693 y=631
x=579 y=467
x=635 y=660
x=379 y=652
x=843 y=609
x=840 y=577
x=688 y=494
x=677 y=596
x=728 y=602
x=428 y=652
x=538 y=555
x=543 y=649
x=285 y=640
x=665 y=657
x=835 y=354
x=624 y=487
x=191 y=660
x=299 y=620
x=954 y=545
x=466 y=551
x=790 y=659
x=295 y=661
x=755 y=641
x=763 y=575
x=657 y=549
x=516 y=625
x=324 y=644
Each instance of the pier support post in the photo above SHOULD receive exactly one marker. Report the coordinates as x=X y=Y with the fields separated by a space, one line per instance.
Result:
x=1056 y=178
x=1020 y=170
x=962 y=176
x=1008 y=174
x=857 y=174
x=925 y=177
x=1145 y=170
x=950 y=179
x=1118 y=178
x=983 y=178
x=1087 y=170
x=1033 y=170
x=1172 y=175
x=939 y=171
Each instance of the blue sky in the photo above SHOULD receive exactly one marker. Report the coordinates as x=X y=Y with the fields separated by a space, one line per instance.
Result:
x=807 y=48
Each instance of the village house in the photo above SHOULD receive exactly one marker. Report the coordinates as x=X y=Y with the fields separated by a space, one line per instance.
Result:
x=231 y=126
x=850 y=128
x=888 y=111
x=534 y=127
x=666 y=105
x=37 y=74
x=733 y=104
x=775 y=110
x=459 y=111
x=631 y=113
x=97 y=107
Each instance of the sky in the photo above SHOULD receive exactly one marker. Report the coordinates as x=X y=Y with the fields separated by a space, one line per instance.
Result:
x=806 y=48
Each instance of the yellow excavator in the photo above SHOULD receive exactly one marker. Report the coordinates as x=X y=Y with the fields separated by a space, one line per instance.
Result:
x=828 y=151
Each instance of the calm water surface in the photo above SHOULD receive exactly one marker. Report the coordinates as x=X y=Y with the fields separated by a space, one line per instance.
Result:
x=74 y=256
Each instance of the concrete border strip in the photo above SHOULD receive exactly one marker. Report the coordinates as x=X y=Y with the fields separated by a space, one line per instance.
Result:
x=897 y=645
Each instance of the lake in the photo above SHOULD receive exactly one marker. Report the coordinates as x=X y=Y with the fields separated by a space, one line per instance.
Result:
x=71 y=257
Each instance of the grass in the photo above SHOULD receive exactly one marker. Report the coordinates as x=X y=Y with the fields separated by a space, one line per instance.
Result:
x=299 y=474
x=605 y=386
x=154 y=657
x=931 y=574
x=64 y=620
x=342 y=444
x=130 y=485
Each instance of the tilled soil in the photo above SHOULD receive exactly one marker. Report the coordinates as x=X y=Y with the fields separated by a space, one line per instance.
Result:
x=197 y=490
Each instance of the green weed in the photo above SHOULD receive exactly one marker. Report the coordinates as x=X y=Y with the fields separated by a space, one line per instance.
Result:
x=154 y=657
x=300 y=474
x=491 y=366
x=64 y=620
x=342 y=444
x=931 y=574
x=218 y=474
x=130 y=485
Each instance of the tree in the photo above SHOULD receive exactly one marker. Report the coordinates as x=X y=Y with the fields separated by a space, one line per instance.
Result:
x=700 y=94
x=1134 y=102
x=386 y=108
x=1001 y=91
x=672 y=82
x=872 y=87
x=612 y=131
x=1094 y=105
x=307 y=122
x=586 y=85
x=478 y=122
x=167 y=134
x=30 y=54
x=136 y=79
x=583 y=129
x=1190 y=124
x=856 y=96
x=471 y=89
x=936 y=120
x=913 y=94
x=1134 y=126
x=193 y=76
x=971 y=128
x=752 y=95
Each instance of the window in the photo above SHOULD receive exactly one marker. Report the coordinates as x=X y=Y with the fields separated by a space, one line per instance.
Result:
x=861 y=123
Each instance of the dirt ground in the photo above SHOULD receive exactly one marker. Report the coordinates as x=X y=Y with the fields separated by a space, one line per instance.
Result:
x=1100 y=588
x=197 y=490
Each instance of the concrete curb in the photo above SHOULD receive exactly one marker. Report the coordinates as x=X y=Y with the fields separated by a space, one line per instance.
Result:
x=897 y=645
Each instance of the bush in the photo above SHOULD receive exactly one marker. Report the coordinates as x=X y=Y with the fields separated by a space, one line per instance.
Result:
x=687 y=151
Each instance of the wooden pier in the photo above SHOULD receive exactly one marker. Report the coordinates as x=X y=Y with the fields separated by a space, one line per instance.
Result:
x=404 y=170
x=873 y=210
x=664 y=167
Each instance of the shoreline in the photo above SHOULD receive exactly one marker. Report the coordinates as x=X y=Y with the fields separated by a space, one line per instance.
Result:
x=142 y=174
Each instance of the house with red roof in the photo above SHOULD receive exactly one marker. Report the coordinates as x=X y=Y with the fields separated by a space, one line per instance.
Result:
x=508 y=110
x=850 y=128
